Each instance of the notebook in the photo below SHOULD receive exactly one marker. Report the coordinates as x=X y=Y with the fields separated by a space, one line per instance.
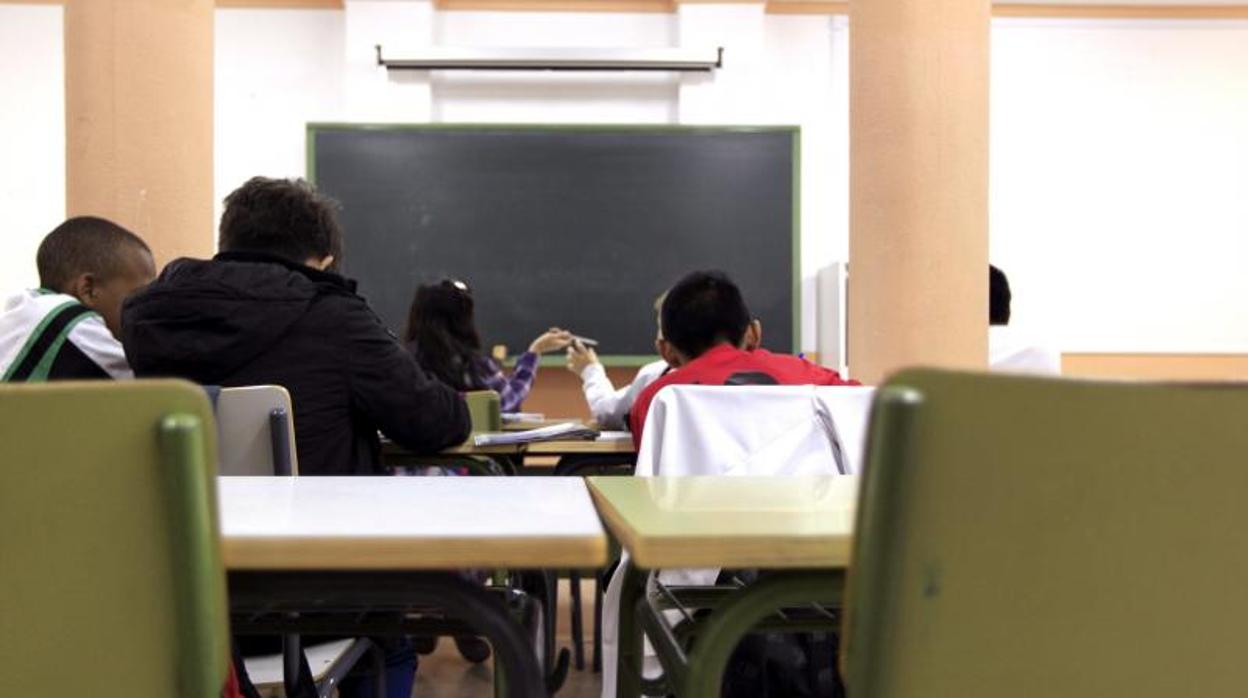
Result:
x=556 y=432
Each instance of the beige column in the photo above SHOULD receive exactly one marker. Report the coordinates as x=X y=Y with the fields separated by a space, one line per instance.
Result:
x=918 y=241
x=138 y=102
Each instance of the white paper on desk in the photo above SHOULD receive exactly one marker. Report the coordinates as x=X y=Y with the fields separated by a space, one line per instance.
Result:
x=615 y=436
x=556 y=432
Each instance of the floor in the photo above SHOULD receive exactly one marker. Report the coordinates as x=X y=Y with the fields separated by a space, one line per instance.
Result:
x=444 y=674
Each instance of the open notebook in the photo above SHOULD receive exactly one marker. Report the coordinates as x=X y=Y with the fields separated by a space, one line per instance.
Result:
x=556 y=432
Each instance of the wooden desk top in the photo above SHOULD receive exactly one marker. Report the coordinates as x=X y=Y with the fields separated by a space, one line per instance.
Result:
x=408 y=523
x=772 y=522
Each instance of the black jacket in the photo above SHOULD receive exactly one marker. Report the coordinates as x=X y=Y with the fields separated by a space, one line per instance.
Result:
x=253 y=319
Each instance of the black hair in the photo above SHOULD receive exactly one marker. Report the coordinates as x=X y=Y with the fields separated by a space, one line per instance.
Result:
x=998 y=297
x=284 y=217
x=442 y=334
x=85 y=245
x=703 y=309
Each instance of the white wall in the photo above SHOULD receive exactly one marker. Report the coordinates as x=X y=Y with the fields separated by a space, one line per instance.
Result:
x=275 y=70
x=509 y=97
x=32 y=136
x=1120 y=181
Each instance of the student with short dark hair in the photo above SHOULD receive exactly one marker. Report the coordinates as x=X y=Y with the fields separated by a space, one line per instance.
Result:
x=68 y=328
x=269 y=309
x=705 y=336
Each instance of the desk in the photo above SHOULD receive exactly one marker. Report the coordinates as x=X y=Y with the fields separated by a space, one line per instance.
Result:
x=544 y=422
x=408 y=523
x=614 y=446
x=736 y=522
x=802 y=526
x=355 y=555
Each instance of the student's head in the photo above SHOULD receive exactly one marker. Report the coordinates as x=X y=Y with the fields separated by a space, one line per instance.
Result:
x=283 y=217
x=442 y=327
x=998 y=297
x=703 y=310
x=96 y=261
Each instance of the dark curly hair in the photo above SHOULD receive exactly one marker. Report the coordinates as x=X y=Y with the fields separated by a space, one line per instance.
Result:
x=284 y=217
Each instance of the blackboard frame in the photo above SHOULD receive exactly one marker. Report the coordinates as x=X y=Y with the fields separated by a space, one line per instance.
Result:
x=620 y=360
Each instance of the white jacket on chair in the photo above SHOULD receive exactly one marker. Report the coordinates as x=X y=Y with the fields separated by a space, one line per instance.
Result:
x=739 y=430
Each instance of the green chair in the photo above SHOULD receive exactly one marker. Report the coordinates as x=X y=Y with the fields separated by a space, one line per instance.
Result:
x=1030 y=537
x=111 y=582
x=486 y=410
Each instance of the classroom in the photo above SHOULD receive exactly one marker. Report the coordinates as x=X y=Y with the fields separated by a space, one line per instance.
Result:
x=431 y=348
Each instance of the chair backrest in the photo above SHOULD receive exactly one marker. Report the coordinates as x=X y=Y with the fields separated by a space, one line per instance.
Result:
x=256 y=429
x=1026 y=536
x=111 y=581
x=753 y=430
x=485 y=410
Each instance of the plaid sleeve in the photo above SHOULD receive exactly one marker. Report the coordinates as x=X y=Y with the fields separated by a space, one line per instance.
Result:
x=513 y=389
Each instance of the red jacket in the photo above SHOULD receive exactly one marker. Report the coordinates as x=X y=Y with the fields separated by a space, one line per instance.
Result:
x=727 y=365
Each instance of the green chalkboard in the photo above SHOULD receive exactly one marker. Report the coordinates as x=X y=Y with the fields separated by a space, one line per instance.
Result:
x=576 y=226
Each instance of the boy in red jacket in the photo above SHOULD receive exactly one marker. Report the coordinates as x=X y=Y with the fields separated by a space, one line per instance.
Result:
x=705 y=336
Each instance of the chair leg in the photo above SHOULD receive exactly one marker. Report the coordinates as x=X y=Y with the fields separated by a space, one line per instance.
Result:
x=296 y=674
x=630 y=654
x=379 y=671
x=578 y=630
x=360 y=649
x=598 y=595
x=292 y=657
x=704 y=671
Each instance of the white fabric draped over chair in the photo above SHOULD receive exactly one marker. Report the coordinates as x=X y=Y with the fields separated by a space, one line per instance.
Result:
x=739 y=430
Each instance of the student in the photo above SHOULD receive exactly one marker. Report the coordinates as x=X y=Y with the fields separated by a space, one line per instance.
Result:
x=1010 y=351
x=706 y=329
x=442 y=335
x=609 y=406
x=269 y=309
x=68 y=328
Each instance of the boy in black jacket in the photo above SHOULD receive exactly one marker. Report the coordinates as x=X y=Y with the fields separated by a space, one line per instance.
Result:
x=269 y=310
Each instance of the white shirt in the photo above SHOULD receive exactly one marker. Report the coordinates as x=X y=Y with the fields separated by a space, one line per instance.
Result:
x=610 y=407
x=22 y=313
x=1011 y=351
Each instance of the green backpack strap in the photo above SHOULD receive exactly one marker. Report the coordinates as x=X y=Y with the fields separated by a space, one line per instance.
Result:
x=34 y=361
